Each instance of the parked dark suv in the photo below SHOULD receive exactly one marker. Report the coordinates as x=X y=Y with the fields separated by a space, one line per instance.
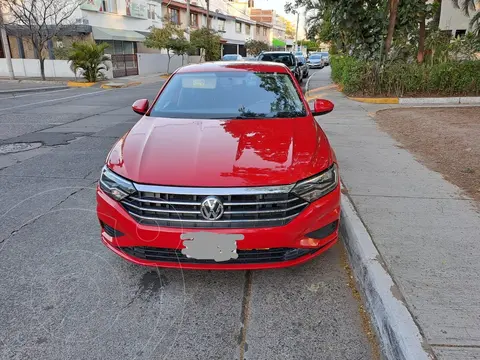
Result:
x=284 y=57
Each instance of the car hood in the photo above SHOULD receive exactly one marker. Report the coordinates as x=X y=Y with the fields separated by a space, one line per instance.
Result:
x=186 y=152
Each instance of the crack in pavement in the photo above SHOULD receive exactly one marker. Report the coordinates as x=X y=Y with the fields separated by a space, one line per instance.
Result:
x=32 y=221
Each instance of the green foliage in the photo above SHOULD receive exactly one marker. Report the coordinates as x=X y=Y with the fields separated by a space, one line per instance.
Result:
x=369 y=78
x=209 y=41
x=311 y=45
x=255 y=47
x=89 y=57
x=170 y=37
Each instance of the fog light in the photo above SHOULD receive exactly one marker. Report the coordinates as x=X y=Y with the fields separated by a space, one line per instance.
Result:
x=310 y=242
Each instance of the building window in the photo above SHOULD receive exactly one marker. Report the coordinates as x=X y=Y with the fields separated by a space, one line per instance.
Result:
x=221 y=25
x=247 y=29
x=151 y=11
x=238 y=27
x=460 y=33
x=109 y=6
x=174 y=15
x=194 y=20
x=264 y=31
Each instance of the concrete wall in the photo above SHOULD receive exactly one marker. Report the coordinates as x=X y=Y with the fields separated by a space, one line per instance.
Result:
x=452 y=18
x=157 y=63
x=31 y=68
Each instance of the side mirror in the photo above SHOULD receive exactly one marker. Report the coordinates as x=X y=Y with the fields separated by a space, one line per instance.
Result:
x=322 y=107
x=140 y=106
x=300 y=63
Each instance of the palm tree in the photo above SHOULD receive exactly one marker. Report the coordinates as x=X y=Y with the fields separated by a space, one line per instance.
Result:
x=89 y=57
x=470 y=7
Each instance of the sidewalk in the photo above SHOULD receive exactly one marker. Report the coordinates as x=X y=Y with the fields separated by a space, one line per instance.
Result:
x=425 y=230
x=33 y=84
x=8 y=86
x=133 y=80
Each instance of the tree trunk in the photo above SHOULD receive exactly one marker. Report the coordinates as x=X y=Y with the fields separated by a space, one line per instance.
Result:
x=393 y=6
x=421 y=40
x=42 y=66
x=168 y=65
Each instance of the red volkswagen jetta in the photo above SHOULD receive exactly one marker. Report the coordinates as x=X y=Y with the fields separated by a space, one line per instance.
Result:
x=227 y=169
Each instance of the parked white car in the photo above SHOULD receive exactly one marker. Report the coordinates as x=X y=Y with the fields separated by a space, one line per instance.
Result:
x=232 y=57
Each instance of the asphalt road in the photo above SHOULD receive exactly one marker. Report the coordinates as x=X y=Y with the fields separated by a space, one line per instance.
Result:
x=63 y=295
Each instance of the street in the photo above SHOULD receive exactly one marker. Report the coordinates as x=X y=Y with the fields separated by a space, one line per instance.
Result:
x=63 y=295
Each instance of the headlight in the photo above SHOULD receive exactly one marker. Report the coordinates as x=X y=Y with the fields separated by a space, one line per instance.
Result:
x=115 y=186
x=317 y=186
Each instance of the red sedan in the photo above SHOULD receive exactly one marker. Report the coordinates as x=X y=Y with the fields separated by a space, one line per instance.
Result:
x=227 y=169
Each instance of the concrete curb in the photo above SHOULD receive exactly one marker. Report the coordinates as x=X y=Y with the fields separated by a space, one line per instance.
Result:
x=399 y=336
x=444 y=100
x=16 y=91
x=376 y=100
x=420 y=101
x=80 y=84
x=28 y=81
x=120 y=85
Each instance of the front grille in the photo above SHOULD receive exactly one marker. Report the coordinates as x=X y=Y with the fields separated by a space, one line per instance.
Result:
x=244 y=256
x=240 y=210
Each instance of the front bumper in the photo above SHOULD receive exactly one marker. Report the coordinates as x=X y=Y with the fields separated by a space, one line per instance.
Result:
x=131 y=240
x=315 y=66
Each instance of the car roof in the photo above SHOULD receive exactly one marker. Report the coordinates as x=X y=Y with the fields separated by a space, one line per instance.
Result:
x=217 y=66
x=276 y=52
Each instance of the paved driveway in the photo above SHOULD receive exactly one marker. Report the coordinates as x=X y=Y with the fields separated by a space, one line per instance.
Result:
x=63 y=295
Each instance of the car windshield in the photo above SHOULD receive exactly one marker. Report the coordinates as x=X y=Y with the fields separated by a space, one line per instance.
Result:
x=229 y=95
x=286 y=59
x=230 y=57
x=301 y=59
x=315 y=57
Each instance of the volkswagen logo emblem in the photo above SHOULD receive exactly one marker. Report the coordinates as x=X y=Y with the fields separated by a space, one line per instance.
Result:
x=211 y=208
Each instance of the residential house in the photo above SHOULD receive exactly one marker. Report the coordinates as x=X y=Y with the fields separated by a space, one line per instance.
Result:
x=454 y=20
x=263 y=32
x=278 y=33
x=237 y=26
x=123 y=24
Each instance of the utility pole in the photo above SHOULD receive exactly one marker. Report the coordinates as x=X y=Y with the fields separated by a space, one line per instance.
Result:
x=6 y=47
x=188 y=20
x=208 y=14
x=296 y=31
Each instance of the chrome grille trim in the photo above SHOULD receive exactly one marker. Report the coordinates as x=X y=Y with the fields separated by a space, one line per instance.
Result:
x=208 y=221
x=152 y=209
x=168 y=206
x=206 y=191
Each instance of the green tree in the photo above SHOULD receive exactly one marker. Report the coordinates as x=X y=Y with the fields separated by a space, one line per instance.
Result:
x=310 y=44
x=41 y=21
x=207 y=40
x=89 y=57
x=255 y=47
x=170 y=37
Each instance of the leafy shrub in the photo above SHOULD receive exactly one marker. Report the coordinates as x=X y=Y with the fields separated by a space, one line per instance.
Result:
x=89 y=57
x=368 y=78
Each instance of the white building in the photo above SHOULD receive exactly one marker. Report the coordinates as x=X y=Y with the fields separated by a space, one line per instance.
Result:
x=237 y=28
x=122 y=24
x=454 y=19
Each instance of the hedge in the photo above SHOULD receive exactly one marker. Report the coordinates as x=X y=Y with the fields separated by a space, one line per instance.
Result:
x=363 y=78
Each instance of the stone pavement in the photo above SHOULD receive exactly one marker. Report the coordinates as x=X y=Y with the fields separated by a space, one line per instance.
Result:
x=426 y=230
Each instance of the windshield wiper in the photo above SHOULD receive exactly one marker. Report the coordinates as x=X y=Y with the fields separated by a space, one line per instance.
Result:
x=287 y=114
